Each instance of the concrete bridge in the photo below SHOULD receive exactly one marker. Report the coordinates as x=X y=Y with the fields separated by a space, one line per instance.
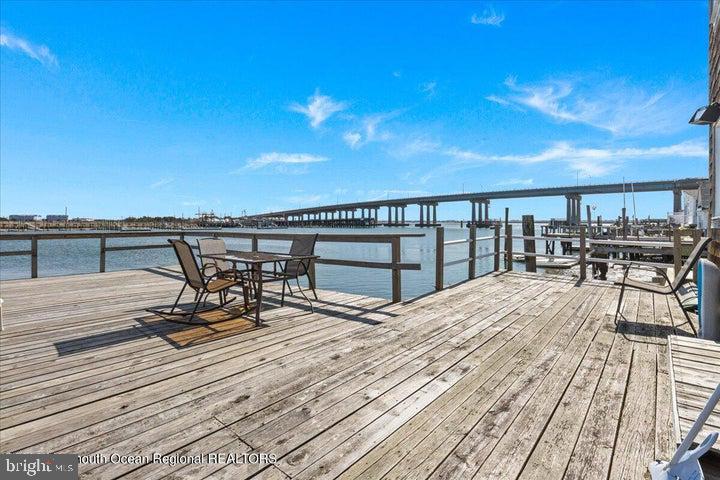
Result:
x=479 y=203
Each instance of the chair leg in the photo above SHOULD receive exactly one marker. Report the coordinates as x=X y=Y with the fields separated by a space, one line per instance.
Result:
x=246 y=301
x=282 y=297
x=312 y=286
x=288 y=286
x=180 y=295
x=685 y=312
x=312 y=308
x=619 y=305
x=192 y=315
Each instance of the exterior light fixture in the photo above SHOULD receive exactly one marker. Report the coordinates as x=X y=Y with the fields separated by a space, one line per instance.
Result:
x=706 y=115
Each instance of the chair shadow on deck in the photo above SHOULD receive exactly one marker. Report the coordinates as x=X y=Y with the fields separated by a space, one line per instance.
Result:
x=216 y=324
x=631 y=329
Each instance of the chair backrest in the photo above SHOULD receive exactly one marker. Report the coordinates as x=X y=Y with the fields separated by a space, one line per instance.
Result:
x=690 y=262
x=213 y=246
x=301 y=245
x=189 y=266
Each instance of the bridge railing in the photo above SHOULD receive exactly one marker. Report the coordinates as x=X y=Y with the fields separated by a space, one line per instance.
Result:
x=396 y=265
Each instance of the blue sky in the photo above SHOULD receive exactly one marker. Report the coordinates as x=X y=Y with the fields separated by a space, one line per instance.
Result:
x=129 y=109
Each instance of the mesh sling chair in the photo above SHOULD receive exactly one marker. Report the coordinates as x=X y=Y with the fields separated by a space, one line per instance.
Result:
x=669 y=287
x=203 y=286
x=212 y=266
x=294 y=269
x=222 y=268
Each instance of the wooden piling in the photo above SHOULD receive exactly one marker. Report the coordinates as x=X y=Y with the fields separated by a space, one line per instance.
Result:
x=624 y=224
x=589 y=219
x=508 y=246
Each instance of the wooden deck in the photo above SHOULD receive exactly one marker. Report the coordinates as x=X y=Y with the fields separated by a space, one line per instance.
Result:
x=511 y=375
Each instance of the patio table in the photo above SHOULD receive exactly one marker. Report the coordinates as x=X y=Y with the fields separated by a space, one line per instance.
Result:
x=256 y=260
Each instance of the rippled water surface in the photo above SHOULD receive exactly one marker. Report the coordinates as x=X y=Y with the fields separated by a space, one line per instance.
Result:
x=63 y=257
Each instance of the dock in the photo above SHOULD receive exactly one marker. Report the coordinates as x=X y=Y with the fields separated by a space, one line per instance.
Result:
x=511 y=375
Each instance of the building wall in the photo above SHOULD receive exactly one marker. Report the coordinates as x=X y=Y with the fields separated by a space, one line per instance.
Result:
x=714 y=94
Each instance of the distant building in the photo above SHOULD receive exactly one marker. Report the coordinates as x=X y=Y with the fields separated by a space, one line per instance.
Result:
x=25 y=218
x=56 y=218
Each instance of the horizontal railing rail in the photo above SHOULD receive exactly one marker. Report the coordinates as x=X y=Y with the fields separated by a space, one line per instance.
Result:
x=590 y=251
x=396 y=265
x=471 y=257
x=588 y=255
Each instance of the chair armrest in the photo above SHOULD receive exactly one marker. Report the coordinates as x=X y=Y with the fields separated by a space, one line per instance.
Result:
x=206 y=266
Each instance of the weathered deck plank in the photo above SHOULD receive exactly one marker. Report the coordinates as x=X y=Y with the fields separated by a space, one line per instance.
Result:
x=507 y=376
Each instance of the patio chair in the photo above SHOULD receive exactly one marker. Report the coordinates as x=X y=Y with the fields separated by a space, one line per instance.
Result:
x=669 y=287
x=203 y=286
x=294 y=269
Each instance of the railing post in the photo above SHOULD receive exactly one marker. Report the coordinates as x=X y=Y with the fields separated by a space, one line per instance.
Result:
x=677 y=250
x=439 y=257
x=102 y=253
x=583 y=262
x=528 y=230
x=472 y=252
x=34 y=257
x=311 y=272
x=496 y=241
x=396 y=285
x=254 y=243
x=508 y=248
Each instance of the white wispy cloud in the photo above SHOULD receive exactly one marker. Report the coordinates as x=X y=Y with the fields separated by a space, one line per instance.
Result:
x=414 y=147
x=162 y=182
x=498 y=100
x=488 y=17
x=319 y=108
x=615 y=105
x=369 y=130
x=586 y=161
x=381 y=194
x=516 y=181
x=353 y=139
x=397 y=74
x=310 y=199
x=41 y=53
x=428 y=88
x=278 y=158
